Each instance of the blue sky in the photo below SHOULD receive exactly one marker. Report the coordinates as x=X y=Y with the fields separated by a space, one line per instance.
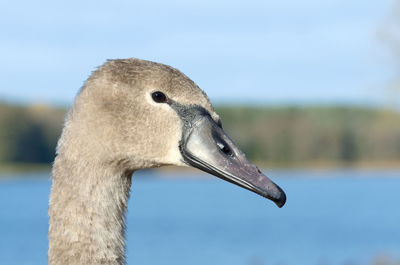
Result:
x=253 y=51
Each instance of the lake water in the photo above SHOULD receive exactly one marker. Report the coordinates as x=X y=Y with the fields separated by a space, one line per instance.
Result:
x=344 y=217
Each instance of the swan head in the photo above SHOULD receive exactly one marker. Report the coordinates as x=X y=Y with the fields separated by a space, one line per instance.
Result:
x=137 y=114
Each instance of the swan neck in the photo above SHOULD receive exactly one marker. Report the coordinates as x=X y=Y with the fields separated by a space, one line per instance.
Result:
x=87 y=213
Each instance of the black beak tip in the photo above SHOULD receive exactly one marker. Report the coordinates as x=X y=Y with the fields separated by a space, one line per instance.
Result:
x=281 y=200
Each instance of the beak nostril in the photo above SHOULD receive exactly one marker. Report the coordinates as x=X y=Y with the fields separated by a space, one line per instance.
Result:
x=225 y=149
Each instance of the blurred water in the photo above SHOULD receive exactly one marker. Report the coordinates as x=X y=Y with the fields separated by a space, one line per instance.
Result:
x=345 y=217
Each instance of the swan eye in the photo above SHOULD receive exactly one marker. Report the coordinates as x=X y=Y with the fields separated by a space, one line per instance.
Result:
x=159 y=97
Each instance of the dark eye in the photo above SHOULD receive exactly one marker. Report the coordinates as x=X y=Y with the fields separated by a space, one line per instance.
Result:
x=159 y=97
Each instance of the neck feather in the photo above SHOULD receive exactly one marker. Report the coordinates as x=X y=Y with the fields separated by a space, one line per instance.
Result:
x=87 y=213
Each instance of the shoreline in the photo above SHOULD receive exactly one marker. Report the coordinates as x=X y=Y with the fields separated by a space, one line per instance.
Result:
x=13 y=170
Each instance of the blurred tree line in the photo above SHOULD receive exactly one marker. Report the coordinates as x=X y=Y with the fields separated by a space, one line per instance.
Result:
x=29 y=134
x=296 y=135
x=281 y=135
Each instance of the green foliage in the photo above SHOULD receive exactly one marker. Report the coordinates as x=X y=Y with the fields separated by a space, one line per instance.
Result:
x=309 y=134
x=29 y=134
x=282 y=135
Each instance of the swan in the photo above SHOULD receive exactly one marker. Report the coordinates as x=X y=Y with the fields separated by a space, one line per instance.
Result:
x=132 y=114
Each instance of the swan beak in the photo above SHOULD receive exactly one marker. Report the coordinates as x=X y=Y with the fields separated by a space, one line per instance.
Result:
x=206 y=146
